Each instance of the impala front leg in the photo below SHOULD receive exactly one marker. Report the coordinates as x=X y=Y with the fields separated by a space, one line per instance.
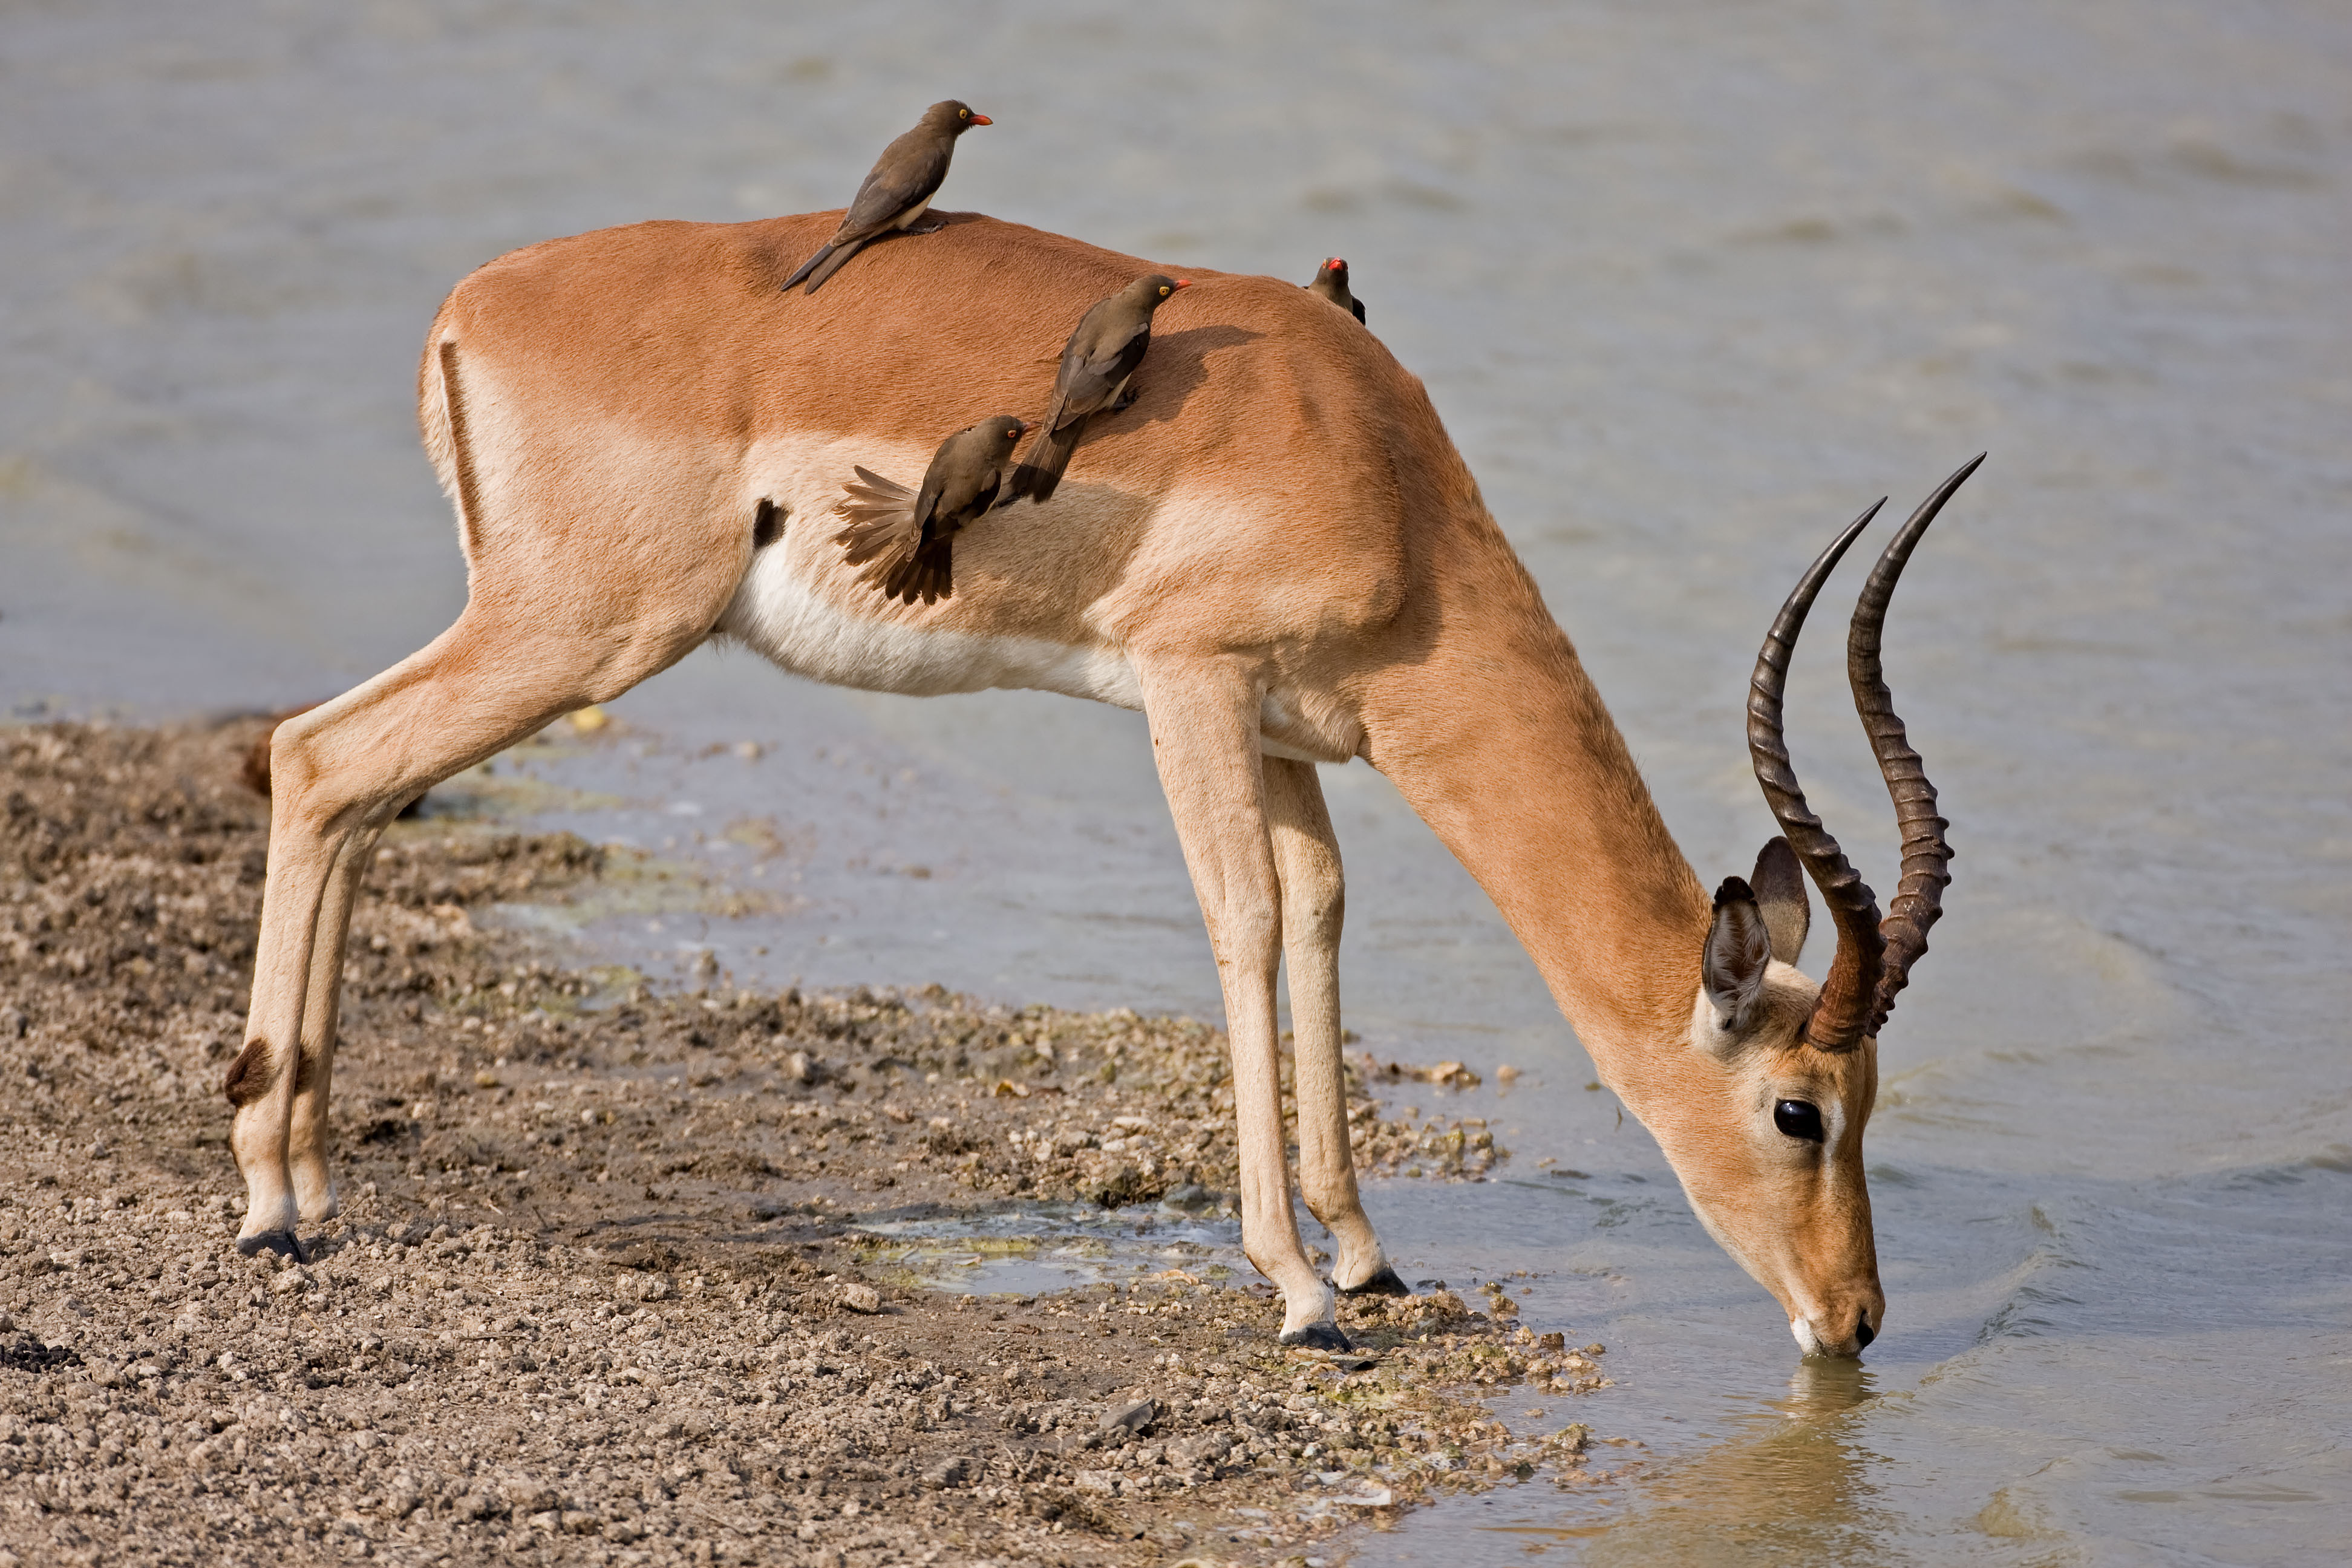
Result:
x=1314 y=903
x=1204 y=739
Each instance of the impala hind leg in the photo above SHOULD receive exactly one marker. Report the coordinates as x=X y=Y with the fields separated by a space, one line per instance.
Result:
x=338 y=774
x=1314 y=903
x=1204 y=739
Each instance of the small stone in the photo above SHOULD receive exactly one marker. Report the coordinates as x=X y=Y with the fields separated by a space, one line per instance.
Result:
x=1104 y=1483
x=13 y=1023
x=1208 y=1449
x=529 y=1498
x=953 y=1471
x=859 y=1299
x=1130 y=1418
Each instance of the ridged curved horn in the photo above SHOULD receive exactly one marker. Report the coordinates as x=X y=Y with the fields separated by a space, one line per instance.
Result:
x=1849 y=992
x=1920 y=900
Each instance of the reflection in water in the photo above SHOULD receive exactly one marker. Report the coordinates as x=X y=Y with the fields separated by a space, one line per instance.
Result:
x=1793 y=1484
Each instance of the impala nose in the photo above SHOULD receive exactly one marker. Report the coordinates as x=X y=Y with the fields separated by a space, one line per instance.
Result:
x=1827 y=1332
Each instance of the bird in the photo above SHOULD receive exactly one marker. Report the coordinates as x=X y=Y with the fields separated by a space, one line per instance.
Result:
x=904 y=539
x=896 y=190
x=1097 y=364
x=1331 y=283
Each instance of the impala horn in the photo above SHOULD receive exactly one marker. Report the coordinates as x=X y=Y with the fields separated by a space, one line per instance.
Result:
x=1874 y=956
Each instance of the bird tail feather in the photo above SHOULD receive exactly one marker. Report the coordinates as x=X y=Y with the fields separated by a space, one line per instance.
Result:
x=833 y=263
x=810 y=264
x=1043 y=468
x=883 y=538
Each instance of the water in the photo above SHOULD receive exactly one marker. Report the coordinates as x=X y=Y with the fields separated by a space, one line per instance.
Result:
x=1690 y=283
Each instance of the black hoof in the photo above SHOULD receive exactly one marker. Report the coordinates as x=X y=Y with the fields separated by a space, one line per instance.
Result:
x=1384 y=1283
x=281 y=1242
x=1318 y=1337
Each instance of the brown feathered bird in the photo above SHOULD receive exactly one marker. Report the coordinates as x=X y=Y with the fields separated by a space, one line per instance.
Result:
x=905 y=539
x=897 y=189
x=1097 y=364
x=1331 y=283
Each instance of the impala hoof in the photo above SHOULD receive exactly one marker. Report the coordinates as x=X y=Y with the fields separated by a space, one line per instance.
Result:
x=1384 y=1283
x=282 y=1242
x=1318 y=1337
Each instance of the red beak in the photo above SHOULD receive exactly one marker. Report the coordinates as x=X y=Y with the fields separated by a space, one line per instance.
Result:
x=1183 y=282
x=981 y=120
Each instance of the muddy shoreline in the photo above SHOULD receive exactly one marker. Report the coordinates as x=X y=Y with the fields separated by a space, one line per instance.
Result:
x=611 y=1282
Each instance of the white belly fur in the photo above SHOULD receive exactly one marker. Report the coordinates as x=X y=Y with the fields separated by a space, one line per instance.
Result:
x=776 y=613
x=779 y=612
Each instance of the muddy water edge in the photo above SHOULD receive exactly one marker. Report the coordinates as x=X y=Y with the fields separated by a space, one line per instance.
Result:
x=614 y=1272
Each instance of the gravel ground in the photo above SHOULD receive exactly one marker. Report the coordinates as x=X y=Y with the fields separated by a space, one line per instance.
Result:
x=605 y=1288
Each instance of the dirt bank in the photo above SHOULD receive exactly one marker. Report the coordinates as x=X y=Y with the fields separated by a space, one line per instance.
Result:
x=604 y=1288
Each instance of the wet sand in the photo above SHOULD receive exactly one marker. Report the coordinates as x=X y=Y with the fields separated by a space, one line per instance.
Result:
x=603 y=1289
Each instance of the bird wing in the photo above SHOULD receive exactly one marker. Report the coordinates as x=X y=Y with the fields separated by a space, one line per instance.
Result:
x=909 y=170
x=970 y=503
x=1099 y=358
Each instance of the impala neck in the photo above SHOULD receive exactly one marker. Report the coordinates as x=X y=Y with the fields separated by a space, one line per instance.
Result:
x=1495 y=735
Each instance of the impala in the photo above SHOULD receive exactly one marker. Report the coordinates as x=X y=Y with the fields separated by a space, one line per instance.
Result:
x=1276 y=554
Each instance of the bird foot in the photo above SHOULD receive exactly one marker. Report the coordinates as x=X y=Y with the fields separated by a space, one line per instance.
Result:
x=926 y=227
x=1125 y=400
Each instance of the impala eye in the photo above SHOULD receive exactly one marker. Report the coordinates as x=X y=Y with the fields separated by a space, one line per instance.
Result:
x=1799 y=1119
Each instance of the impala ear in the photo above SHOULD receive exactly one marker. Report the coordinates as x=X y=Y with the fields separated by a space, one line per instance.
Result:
x=1738 y=948
x=1780 y=883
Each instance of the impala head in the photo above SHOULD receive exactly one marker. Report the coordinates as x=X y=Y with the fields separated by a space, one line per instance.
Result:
x=949 y=114
x=1769 y=1139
